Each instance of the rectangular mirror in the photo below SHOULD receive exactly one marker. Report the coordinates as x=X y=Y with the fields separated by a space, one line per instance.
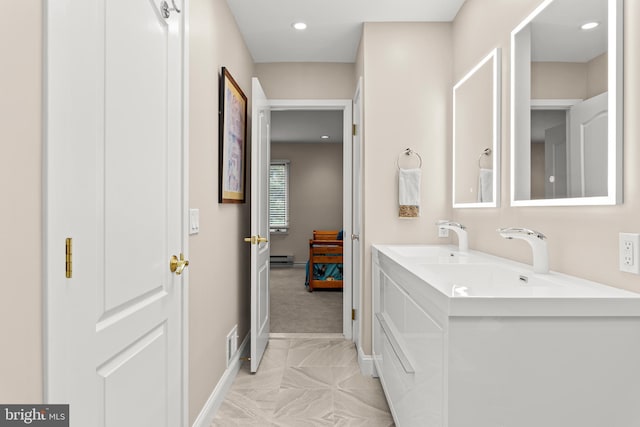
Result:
x=476 y=135
x=566 y=105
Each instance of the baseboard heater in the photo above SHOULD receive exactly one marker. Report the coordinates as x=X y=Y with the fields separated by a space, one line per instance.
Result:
x=281 y=260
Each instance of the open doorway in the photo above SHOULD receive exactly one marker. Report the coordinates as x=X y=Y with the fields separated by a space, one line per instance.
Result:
x=308 y=152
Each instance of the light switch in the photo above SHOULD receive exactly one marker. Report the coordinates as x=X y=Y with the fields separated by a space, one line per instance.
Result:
x=194 y=221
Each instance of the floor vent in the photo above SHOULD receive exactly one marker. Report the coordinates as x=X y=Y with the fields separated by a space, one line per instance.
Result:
x=281 y=260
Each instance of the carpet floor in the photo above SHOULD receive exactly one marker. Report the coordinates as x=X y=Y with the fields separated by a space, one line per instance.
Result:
x=295 y=310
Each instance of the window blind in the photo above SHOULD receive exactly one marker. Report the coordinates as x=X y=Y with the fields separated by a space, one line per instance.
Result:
x=279 y=196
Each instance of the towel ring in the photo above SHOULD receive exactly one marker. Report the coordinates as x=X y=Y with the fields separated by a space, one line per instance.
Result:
x=486 y=152
x=409 y=152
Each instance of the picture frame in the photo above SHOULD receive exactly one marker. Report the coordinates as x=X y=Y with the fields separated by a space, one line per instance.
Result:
x=232 y=128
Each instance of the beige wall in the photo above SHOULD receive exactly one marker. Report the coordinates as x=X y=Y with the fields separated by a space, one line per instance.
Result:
x=306 y=80
x=219 y=270
x=583 y=241
x=473 y=131
x=21 y=213
x=315 y=195
x=407 y=101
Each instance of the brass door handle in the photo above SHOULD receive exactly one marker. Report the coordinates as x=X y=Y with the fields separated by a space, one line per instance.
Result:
x=256 y=239
x=178 y=265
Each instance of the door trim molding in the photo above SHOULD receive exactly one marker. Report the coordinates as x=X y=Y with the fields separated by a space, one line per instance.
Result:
x=184 y=295
x=346 y=105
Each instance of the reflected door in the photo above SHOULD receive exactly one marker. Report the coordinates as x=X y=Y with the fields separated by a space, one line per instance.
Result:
x=589 y=147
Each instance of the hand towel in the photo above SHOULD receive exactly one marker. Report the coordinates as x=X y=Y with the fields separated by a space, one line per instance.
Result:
x=485 y=185
x=409 y=192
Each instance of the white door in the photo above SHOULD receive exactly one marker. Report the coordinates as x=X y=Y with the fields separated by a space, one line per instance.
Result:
x=589 y=147
x=260 y=158
x=555 y=162
x=114 y=173
x=356 y=213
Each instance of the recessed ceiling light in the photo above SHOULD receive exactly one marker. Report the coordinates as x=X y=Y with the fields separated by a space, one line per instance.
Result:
x=299 y=26
x=325 y=137
x=589 y=25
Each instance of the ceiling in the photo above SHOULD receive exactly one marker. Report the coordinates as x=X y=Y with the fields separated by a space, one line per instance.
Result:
x=334 y=26
x=556 y=34
x=306 y=126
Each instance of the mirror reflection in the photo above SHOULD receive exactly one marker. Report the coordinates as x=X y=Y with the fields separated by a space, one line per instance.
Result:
x=564 y=129
x=475 y=135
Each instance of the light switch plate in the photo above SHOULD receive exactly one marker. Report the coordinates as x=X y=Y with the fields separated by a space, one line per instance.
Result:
x=194 y=221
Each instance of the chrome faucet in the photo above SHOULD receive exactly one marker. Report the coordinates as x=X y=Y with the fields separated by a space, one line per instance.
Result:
x=538 y=244
x=460 y=230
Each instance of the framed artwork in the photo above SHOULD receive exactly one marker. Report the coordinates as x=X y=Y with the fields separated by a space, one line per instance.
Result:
x=232 y=140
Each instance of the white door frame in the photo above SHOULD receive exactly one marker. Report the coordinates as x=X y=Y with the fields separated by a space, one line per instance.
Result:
x=50 y=252
x=346 y=106
x=356 y=139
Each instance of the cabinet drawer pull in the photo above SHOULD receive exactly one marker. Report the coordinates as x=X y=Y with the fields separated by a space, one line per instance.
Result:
x=395 y=345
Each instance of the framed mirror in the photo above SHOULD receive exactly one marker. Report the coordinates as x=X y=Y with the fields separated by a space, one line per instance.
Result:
x=566 y=105
x=476 y=135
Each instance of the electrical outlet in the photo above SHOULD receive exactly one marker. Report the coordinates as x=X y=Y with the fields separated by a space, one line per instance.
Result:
x=443 y=232
x=629 y=259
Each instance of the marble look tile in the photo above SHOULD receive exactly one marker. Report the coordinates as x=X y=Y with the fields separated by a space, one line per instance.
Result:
x=304 y=403
x=248 y=404
x=305 y=382
x=322 y=353
x=303 y=422
x=350 y=378
x=265 y=378
x=364 y=422
x=361 y=403
x=307 y=377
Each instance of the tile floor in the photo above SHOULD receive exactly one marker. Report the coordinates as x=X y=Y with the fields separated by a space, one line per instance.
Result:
x=305 y=381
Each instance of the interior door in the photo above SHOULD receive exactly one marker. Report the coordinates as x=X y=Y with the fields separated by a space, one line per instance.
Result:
x=589 y=147
x=260 y=158
x=555 y=161
x=114 y=173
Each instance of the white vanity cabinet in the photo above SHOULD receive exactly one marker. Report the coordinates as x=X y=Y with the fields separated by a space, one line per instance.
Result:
x=519 y=359
x=408 y=349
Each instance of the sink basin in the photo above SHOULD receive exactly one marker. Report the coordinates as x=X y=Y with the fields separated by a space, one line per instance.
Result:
x=495 y=280
x=430 y=254
x=478 y=284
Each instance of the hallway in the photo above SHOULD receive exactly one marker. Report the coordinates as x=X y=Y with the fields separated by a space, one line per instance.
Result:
x=305 y=380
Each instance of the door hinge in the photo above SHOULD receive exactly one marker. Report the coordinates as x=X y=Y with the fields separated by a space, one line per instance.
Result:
x=354 y=129
x=68 y=264
x=353 y=314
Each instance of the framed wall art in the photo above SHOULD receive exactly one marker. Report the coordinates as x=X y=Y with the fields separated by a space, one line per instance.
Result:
x=232 y=140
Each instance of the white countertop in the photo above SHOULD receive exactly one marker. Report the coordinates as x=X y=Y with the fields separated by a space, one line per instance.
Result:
x=479 y=284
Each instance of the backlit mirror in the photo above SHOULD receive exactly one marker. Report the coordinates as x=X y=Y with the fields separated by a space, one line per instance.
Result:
x=476 y=135
x=566 y=105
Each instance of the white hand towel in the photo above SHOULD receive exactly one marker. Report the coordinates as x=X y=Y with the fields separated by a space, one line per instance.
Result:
x=485 y=185
x=409 y=192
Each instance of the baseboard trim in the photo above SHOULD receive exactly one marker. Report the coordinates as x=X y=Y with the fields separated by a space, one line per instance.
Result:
x=208 y=412
x=365 y=362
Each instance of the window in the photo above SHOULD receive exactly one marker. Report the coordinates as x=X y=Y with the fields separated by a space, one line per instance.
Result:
x=279 y=196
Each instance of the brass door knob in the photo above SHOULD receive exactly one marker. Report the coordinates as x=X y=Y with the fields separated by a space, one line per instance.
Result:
x=178 y=265
x=256 y=239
